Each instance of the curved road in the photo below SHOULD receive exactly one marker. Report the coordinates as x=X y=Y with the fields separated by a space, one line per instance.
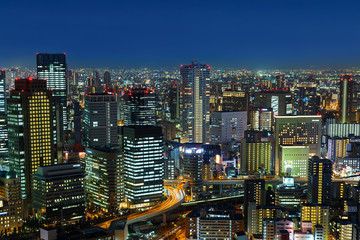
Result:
x=174 y=200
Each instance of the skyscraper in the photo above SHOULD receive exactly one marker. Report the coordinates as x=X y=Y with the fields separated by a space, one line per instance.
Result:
x=3 y=124
x=281 y=101
x=227 y=127
x=193 y=162
x=139 y=107
x=30 y=126
x=256 y=154
x=235 y=100
x=107 y=79
x=306 y=101
x=104 y=181
x=52 y=67
x=143 y=165
x=174 y=102
x=100 y=120
x=261 y=119
x=59 y=193
x=347 y=97
x=297 y=130
x=319 y=181
x=195 y=102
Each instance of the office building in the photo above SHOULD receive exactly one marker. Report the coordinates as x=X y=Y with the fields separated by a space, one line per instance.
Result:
x=227 y=127
x=215 y=223
x=3 y=122
x=256 y=154
x=319 y=180
x=174 y=101
x=195 y=102
x=294 y=160
x=281 y=102
x=235 y=100
x=107 y=79
x=104 y=179
x=317 y=215
x=143 y=165
x=348 y=99
x=258 y=214
x=30 y=127
x=261 y=119
x=193 y=162
x=11 y=209
x=100 y=118
x=337 y=148
x=139 y=107
x=52 y=67
x=254 y=191
x=288 y=194
x=59 y=194
x=299 y=131
x=306 y=100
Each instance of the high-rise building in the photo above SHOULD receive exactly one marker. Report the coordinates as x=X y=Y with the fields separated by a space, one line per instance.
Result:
x=104 y=181
x=52 y=67
x=348 y=98
x=317 y=215
x=139 y=107
x=257 y=215
x=59 y=194
x=306 y=100
x=204 y=223
x=319 y=181
x=261 y=119
x=174 y=102
x=143 y=165
x=288 y=194
x=256 y=154
x=30 y=127
x=280 y=101
x=3 y=122
x=107 y=79
x=235 y=100
x=294 y=160
x=227 y=127
x=192 y=160
x=195 y=102
x=11 y=209
x=299 y=131
x=100 y=119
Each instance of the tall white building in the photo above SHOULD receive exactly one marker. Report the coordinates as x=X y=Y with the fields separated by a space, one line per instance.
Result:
x=195 y=102
x=227 y=126
x=52 y=67
x=143 y=165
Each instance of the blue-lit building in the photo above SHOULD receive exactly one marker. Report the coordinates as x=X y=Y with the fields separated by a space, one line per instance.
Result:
x=52 y=67
x=3 y=122
x=143 y=165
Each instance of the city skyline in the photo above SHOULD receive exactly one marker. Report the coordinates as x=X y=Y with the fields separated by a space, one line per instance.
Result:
x=261 y=34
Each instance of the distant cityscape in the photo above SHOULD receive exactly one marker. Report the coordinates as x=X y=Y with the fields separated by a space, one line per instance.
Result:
x=192 y=152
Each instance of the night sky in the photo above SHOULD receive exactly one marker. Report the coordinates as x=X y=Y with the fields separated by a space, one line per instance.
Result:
x=253 y=34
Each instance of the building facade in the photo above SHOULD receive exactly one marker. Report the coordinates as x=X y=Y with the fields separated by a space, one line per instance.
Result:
x=59 y=194
x=30 y=127
x=104 y=182
x=195 y=102
x=100 y=117
x=143 y=165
